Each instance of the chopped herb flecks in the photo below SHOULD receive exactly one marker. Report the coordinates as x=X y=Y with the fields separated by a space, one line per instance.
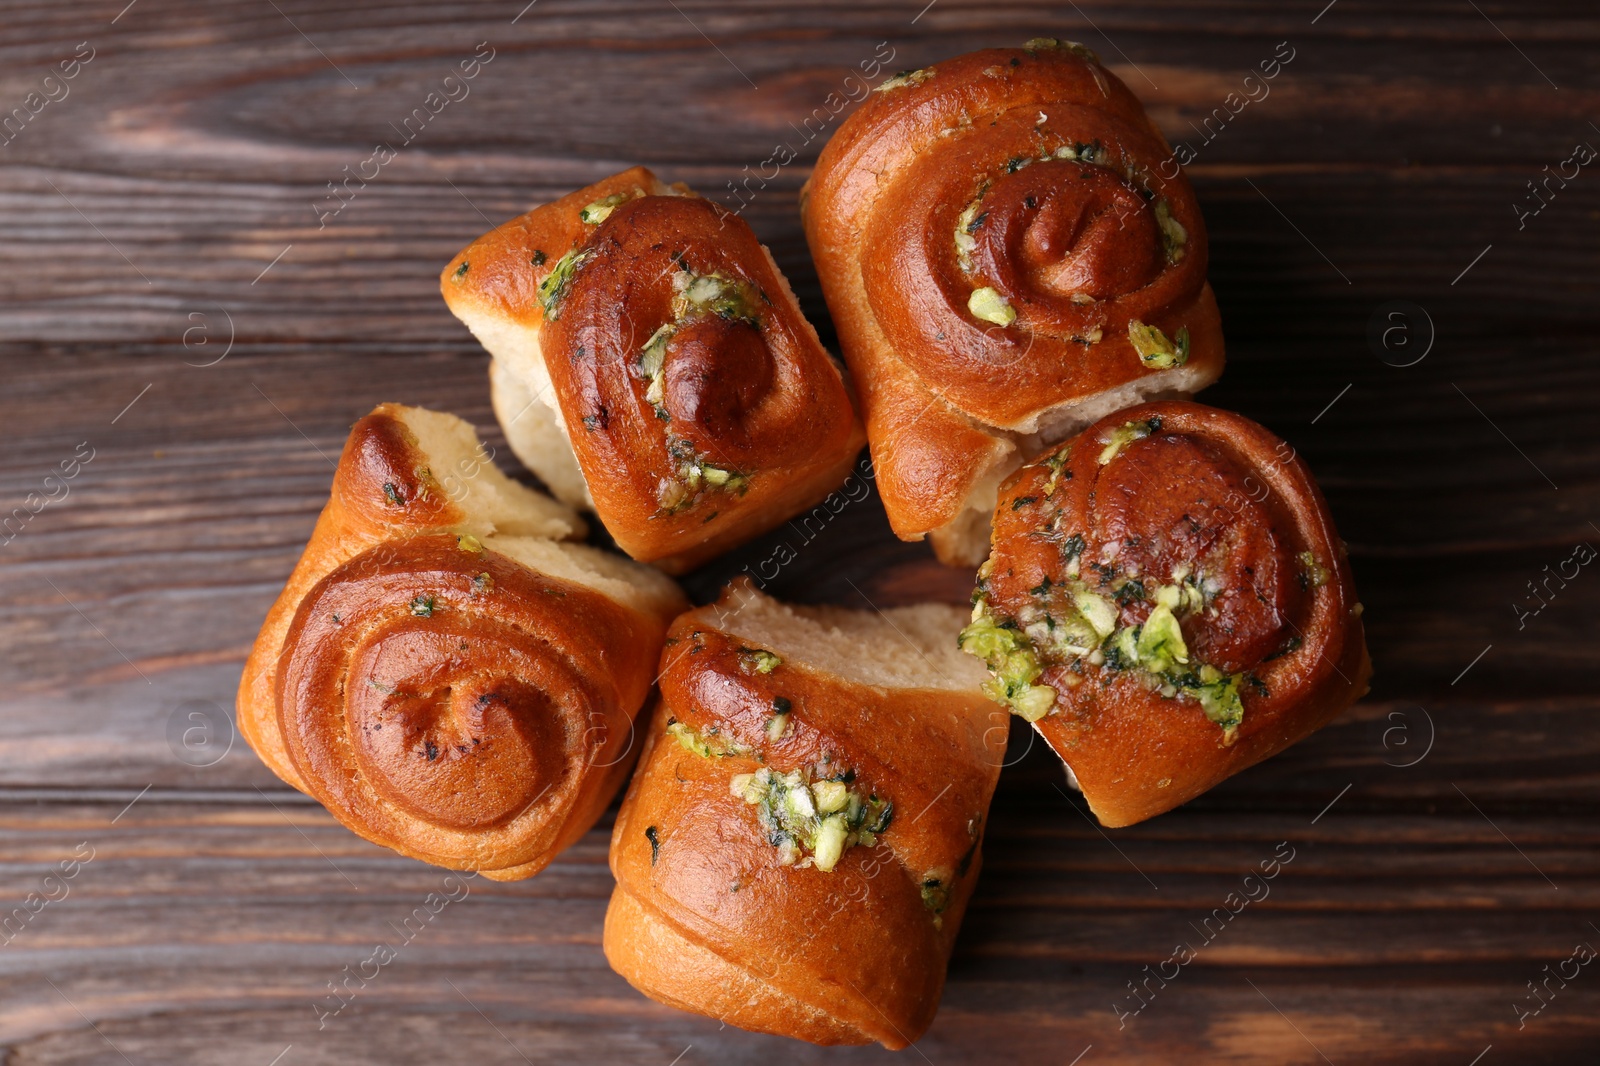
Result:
x=706 y=744
x=1069 y=623
x=1125 y=434
x=553 y=289
x=821 y=817
x=1174 y=237
x=905 y=78
x=601 y=209
x=990 y=306
x=1155 y=350
x=758 y=660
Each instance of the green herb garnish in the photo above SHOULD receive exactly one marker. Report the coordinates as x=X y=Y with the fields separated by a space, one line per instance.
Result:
x=987 y=304
x=553 y=289
x=1155 y=350
x=905 y=78
x=601 y=209
x=1127 y=433
x=824 y=817
x=758 y=660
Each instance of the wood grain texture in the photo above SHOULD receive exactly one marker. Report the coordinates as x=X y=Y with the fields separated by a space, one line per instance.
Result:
x=142 y=218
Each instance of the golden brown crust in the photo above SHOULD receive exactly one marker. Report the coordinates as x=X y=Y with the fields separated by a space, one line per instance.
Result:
x=705 y=915
x=505 y=266
x=1208 y=502
x=379 y=452
x=1064 y=201
x=437 y=695
x=638 y=938
x=700 y=415
x=927 y=456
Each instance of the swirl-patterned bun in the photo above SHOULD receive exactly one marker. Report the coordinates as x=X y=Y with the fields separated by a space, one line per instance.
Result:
x=651 y=364
x=1009 y=253
x=1168 y=603
x=798 y=847
x=445 y=674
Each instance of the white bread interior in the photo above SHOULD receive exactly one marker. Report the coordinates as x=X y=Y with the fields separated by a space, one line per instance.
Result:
x=526 y=525
x=899 y=648
x=644 y=588
x=526 y=405
x=492 y=502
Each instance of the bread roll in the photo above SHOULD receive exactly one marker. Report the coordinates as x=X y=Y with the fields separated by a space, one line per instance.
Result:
x=1009 y=253
x=443 y=671
x=1168 y=603
x=650 y=363
x=798 y=847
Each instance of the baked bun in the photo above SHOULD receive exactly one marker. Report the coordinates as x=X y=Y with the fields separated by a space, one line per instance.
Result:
x=1009 y=252
x=797 y=849
x=443 y=671
x=1167 y=602
x=650 y=363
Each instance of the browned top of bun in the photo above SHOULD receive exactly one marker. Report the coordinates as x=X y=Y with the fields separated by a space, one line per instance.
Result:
x=502 y=269
x=1210 y=511
x=864 y=943
x=439 y=672
x=699 y=402
x=446 y=702
x=991 y=233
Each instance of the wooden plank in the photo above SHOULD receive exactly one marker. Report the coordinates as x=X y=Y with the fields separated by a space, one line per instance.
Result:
x=167 y=212
x=255 y=134
x=175 y=538
x=238 y=915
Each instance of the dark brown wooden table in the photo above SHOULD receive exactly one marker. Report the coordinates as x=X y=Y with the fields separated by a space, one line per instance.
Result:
x=188 y=325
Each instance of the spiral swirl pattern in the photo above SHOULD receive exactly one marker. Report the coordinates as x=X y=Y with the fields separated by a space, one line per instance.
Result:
x=693 y=382
x=699 y=404
x=1071 y=227
x=1004 y=240
x=457 y=706
x=1168 y=601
